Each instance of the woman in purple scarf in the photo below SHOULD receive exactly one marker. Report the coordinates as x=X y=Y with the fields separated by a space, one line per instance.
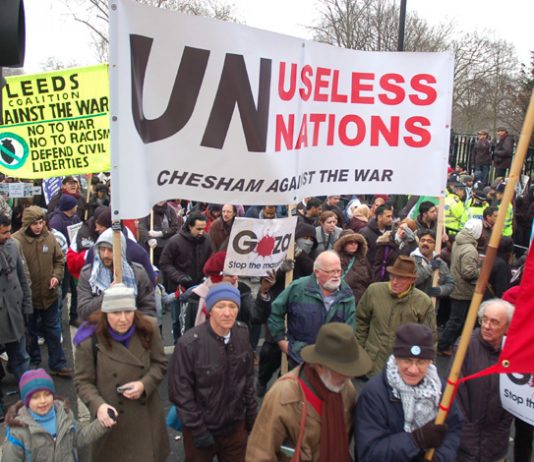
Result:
x=119 y=364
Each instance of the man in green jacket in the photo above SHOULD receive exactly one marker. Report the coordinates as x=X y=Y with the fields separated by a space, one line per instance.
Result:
x=310 y=302
x=385 y=306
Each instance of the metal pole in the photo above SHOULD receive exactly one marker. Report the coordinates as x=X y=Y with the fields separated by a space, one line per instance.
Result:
x=402 y=21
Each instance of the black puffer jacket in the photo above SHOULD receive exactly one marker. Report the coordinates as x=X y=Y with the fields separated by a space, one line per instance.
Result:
x=183 y=258
x=212 y=383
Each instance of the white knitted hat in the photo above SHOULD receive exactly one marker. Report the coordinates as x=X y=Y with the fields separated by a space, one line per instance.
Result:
x=118 y=298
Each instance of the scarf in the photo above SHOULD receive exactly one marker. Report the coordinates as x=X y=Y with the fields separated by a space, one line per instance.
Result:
x=334 y=444
x=402 y=294
x=101 y=276
x=122 y=338
x=47 y=421
x=420 y=402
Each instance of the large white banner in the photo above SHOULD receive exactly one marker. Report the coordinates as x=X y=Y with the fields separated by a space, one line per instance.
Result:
x=257 y=246
x=517 y=395
x=219 y=112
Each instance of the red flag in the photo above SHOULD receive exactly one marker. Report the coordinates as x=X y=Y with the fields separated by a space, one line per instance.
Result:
x=517 y=355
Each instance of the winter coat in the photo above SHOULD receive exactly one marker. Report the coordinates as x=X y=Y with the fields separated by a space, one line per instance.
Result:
x=140 y=433
x=303 y=303
x=212 y=383
x=165 y=220
x=500 y=278
x=482 y=153
x=502 y=154
x=54 y=203
x=183 y=258
x=379 y=427
x=371 y=234
x=60 y=222
x=486 y=430
x=325 y=241
x=465 y=266
x=358 y=276
x=16 y=297
x=220 y=234
x=386 y=252
x=189 y=309
x=425 y=275
x=279 y=420
x=44 y=258
x=89 y=302
x=28 y=441
x=379 y=314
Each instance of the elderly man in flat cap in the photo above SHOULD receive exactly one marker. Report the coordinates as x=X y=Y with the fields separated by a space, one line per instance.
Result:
x=307 y=414
x=396 y=410
x=386 y=305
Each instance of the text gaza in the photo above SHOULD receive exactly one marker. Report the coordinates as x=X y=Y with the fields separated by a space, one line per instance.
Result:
x=247 y=241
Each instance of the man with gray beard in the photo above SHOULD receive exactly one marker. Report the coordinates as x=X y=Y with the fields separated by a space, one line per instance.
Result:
x=307 y=414
x=310 y=302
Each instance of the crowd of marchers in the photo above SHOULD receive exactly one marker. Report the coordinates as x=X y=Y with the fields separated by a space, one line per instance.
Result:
x=362 y=304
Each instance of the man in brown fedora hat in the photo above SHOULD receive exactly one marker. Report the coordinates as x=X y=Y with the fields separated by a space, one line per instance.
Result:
x=386 y=305
x=321 y=387
x=396 y=410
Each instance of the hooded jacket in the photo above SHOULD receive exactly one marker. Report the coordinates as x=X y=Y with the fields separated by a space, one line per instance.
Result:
x=356 y=269
x=26 y=440
x=465 y=265
x=44 y=258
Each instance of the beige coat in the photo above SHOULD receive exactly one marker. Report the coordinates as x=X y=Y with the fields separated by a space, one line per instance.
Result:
x=279 y=419
x=140 y=433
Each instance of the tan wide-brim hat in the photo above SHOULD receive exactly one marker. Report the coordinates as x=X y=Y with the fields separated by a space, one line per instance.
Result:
x=336 y=348
x=404 y=267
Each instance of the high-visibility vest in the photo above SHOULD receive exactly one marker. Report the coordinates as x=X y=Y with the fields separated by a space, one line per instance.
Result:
x=473 y=211
x=454 y=209
x=508 y=228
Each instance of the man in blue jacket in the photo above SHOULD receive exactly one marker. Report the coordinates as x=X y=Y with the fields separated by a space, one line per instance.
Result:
x=310 y=302
x=396 y=410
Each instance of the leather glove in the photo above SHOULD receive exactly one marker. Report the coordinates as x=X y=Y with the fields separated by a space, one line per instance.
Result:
x=430 y=435
x=152 y=243
x=153 y=233
x=204 y=441
x=434 y=292
x=287 y=265
x=434 y=263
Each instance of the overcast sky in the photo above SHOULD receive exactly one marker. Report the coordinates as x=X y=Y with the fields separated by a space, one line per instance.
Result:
x=51 y=31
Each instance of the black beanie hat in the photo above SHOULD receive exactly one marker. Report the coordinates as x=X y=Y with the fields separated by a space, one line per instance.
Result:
x=414 y=340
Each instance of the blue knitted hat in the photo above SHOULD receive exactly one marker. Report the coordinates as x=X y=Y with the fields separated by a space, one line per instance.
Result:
x=222 y=291
x=33 y=381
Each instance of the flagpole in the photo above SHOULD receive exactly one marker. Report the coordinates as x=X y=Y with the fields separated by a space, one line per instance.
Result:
x=151 y=229
x=515 y=172
x=439 y=234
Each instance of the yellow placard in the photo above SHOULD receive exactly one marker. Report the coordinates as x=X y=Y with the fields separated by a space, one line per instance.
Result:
x=56 y=123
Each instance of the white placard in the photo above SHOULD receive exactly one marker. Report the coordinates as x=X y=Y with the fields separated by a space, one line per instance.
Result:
x=517 y=395
x=258 y=246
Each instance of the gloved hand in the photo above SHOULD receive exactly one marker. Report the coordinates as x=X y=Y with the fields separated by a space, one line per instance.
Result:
x=204 y=441
x=430 y=435
x=434 y=292
x=169 y=298
x=152 y=243
x=287 y=265
x=434 y=263
x=154 y=233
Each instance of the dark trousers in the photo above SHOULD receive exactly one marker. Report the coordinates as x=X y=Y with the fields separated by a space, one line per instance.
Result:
x=231 y=448
x=19 y=360
x=482 y=173
x=69 y=285
x=523 y=441
x=455 y=324
x=47 y=322
x=270 y=360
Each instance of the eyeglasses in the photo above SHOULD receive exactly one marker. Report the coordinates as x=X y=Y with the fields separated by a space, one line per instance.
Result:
x=331 y=272
x=417 y=362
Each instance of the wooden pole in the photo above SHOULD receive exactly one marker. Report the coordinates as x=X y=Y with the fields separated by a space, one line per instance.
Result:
x=289 y=279
x=117 y=253
x=515 y=171
x=439 y=234
x=88 y=195
x=151 y=229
